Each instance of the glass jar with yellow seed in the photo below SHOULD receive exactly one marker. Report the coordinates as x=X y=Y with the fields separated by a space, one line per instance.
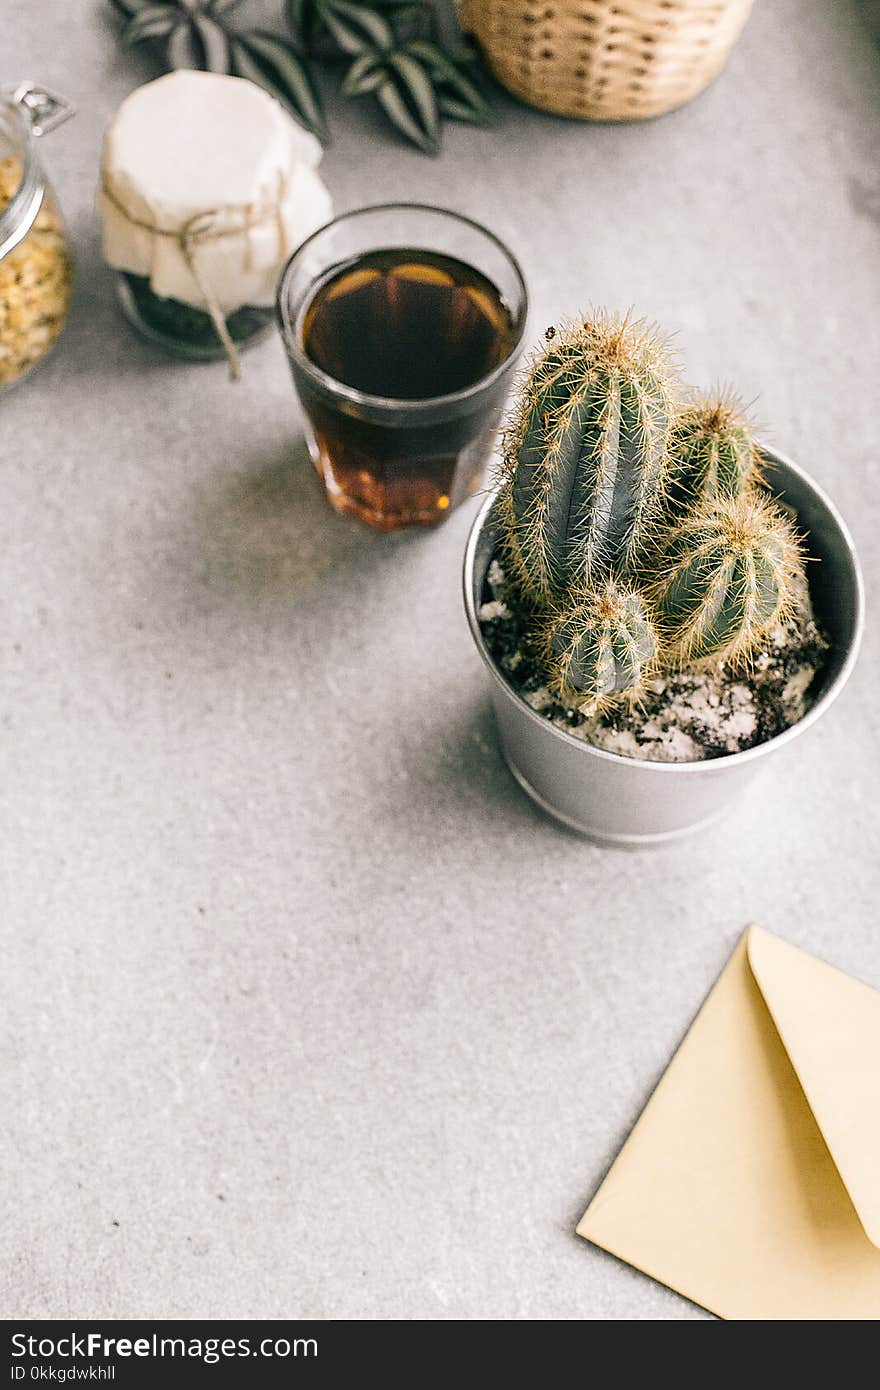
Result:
x=35 y=263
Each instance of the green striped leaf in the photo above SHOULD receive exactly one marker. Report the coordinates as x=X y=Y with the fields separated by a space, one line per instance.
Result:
x=417 y=90
x=150 y=22
x=289 y=70
x=300 y=14
x=364 y=76
x=458 y=95
x=465 y=52
x=355 y=27
x=214 y=41
x=410 y=21
x=273 y=65
x=302 y=21
x=454 y=109
x=441 y=65
x=130 y=6
x=184 y=49
x=395 y=106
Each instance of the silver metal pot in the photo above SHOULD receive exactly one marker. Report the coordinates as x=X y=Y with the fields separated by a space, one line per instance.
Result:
x=633 y=803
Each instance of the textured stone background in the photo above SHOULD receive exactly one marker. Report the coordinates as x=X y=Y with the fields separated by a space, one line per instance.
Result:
x=306 y=1011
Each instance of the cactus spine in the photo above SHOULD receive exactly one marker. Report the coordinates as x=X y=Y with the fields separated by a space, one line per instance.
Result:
x=585 y=457
x=726 y=576
x=712 y=454
x=600 y=647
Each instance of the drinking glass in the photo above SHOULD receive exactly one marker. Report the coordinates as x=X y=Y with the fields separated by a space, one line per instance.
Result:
x=398 y=461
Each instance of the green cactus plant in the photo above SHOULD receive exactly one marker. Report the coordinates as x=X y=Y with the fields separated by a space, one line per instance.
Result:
x=585 y=457
x=727 y=574
x=635 y=531
x=712 y=453
x=598 y=648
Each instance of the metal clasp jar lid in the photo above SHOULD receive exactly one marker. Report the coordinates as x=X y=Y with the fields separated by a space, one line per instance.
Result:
x=45 y=110
x=27 y=110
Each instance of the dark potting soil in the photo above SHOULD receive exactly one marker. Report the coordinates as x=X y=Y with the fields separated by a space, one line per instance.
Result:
x=682 y=716
x=186 y=324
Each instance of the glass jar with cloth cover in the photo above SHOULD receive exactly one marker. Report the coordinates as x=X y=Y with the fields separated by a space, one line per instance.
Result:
x=207 y=187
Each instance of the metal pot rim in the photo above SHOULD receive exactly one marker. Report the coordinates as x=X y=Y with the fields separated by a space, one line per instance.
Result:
x=703 y=765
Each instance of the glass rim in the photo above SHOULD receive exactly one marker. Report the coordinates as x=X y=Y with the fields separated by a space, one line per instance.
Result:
x=420 y=404
x=21 y=211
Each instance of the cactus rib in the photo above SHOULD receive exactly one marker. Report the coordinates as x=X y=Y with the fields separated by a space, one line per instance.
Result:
x=585 y=457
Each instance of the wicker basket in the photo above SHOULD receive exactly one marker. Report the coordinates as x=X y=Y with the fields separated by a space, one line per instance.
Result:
x=605 y=61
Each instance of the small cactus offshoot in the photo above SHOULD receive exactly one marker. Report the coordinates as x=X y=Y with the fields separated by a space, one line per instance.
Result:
x=585 y=457
x=712 y=453
x=600 y=648
x=726 y=576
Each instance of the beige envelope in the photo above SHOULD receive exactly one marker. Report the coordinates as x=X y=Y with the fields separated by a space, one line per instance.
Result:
x=751 y=1181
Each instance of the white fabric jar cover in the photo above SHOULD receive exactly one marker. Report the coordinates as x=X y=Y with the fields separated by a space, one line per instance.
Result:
x=207 y=187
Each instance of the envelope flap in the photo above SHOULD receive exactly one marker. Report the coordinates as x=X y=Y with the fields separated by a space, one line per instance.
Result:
x=829 y=1024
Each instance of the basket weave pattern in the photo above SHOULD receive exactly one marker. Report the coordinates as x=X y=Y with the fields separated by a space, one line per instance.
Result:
x=605 y=61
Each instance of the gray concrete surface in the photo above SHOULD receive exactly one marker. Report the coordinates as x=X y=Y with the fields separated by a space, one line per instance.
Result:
x=306 y=1011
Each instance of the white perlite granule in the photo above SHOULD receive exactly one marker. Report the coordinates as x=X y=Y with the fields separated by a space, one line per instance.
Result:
x=494 y=609
x=683 y=716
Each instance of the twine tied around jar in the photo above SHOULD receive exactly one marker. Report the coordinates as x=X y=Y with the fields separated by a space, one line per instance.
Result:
x=210 y=225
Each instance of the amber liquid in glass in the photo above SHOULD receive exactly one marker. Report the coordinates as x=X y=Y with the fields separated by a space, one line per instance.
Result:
x=407 y=326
